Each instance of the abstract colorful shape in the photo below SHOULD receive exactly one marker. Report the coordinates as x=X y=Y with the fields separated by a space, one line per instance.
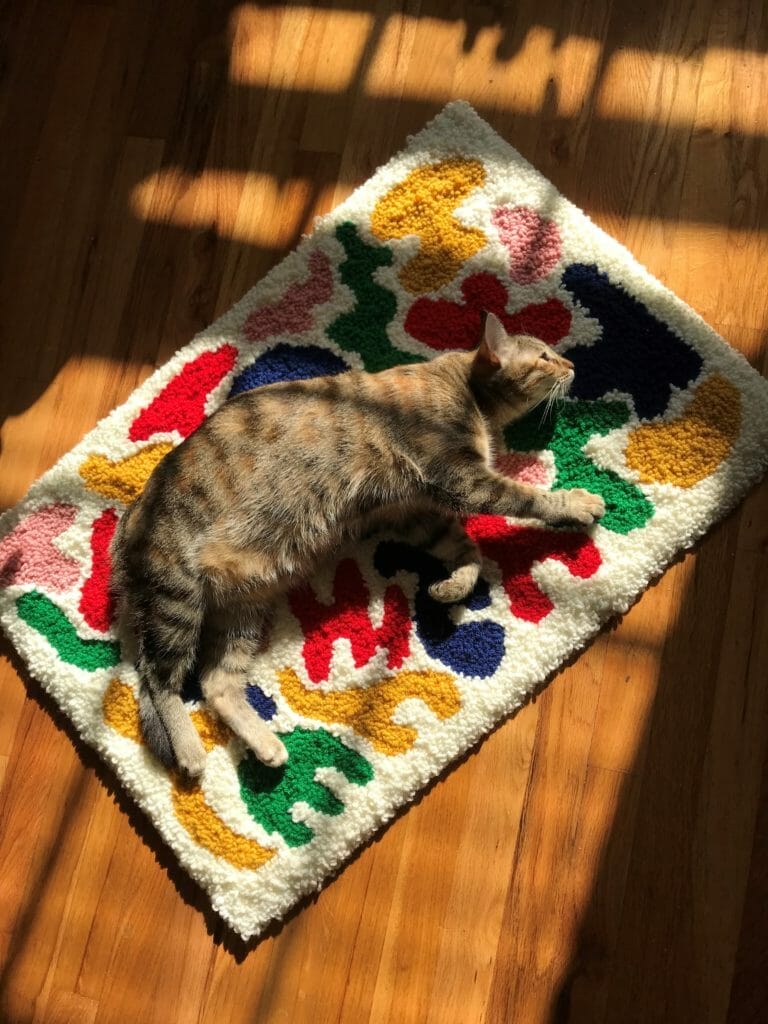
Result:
x=180 y=406
x=261 y=702
x=125 y=479
x=516 y=549
x=288 y=362
x=637 y=353
x=443 y=324
x=209 y=831
x=39 y=612
x=121 y=710
x=533 y=242
x=28 y=554
x=212 y=731
x=270 y=793
x=527 y=469
x=425 y=204
x=685 y=450
x=565 y=431
x=347 y=616
x=97 y=606
x=293 y=313
x=470 y=648
x=364 y=328
x=368 y=710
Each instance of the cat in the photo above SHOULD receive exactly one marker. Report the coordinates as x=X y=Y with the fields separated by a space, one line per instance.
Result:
x=279 y=477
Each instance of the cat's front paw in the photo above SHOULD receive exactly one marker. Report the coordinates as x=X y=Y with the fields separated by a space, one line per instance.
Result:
x=583 y=507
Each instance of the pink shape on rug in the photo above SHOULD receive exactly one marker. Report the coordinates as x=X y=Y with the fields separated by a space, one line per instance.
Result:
x=27 y=554
x=533 y=243
x=181 y=404
x=528 y=469
x=97 y=605
x=293 y=313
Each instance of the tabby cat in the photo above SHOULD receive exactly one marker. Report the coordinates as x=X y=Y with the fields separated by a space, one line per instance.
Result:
x=279 y=477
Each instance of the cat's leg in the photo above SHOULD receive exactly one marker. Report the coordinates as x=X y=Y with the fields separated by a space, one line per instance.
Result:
x=232 y=641
x=445 y=537
x=471 y=488
x=460 y=551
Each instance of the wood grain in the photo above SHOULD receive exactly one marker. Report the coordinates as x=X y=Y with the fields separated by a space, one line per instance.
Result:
x=601 y=857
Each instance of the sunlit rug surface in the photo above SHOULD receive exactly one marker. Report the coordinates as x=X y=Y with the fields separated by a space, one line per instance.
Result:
x=374 y=687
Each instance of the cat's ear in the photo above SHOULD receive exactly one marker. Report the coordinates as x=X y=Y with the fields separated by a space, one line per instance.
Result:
x=489 y=354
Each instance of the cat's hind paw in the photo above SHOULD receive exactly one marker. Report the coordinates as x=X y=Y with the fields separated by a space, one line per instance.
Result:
x=457 y=587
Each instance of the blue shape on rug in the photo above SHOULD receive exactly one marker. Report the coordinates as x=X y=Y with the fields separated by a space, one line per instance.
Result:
x=288 y=362
x=637 y=353
x=260 y=701
x=471 y=648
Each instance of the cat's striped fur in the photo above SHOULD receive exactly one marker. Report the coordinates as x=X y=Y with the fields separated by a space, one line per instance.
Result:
x=279 y=477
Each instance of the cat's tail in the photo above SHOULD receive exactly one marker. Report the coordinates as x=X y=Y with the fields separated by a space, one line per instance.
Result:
x=165 y=616
x=152 y=729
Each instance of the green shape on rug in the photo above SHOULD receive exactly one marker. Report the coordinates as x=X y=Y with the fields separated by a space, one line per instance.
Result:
x=39 y=612
x=269 y=793
x=565 y=431
x=364 y=328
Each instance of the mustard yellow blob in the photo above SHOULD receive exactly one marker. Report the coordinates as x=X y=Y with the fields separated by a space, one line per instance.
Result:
x=424 y=204
x=685 y=450
x=369 y=711
x=124 y=480
x=210 y=832
x=121 y=710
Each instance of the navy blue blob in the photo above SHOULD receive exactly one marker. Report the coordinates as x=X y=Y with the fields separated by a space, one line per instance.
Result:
x=471 y=648
x=260 y=701
x=636 y=354
x=288 y=362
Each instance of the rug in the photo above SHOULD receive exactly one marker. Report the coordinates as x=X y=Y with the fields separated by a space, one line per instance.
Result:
x=373 y=686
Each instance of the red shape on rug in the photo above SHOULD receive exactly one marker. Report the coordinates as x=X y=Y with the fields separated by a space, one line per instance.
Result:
x=181 y=404
x=347 y=616
x=443 y=324
x=516 y=549
x=28 y=555
x=97 y=606
x=292 y=314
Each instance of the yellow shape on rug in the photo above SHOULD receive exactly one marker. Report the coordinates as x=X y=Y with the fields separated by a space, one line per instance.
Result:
x=686 y=450
x=123 y=480
x=369 y=710
x=209 y=831
x=121 y=713
x=424 y=204
x=121 y=710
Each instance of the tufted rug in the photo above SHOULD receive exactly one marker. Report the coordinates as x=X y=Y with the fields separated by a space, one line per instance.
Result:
x=374 y=687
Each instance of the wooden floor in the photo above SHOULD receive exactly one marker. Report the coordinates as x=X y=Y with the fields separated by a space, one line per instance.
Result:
x=604 y=856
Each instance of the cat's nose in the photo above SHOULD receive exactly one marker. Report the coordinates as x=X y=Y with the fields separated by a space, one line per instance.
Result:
x=569 y=364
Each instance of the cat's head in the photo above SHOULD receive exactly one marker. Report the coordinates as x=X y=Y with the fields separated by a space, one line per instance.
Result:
x=519 y=370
